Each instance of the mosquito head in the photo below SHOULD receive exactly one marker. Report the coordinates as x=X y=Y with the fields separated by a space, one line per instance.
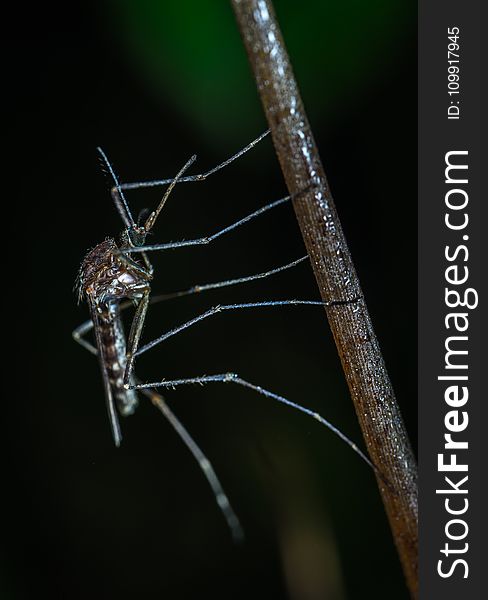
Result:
x=136 y=235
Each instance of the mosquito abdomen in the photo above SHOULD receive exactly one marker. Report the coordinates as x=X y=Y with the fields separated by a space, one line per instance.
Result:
x=114 y=356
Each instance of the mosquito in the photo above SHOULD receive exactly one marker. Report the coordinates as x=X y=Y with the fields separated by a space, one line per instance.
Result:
x=116 y=275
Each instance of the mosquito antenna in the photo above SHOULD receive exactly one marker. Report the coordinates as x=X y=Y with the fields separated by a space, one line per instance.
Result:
x=118 y=196
x=154 y=215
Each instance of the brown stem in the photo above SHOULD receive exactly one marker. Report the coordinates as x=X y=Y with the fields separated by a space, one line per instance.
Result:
x=371 y=390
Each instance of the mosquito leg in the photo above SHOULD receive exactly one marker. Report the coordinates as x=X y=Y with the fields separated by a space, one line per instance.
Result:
x=149 y=267
x=135 y=336
x=228 y=307
x=208 y=239
x=233 y=378
x=203 y=463
x=188 y=178
x=82 y=330
x=195 y=289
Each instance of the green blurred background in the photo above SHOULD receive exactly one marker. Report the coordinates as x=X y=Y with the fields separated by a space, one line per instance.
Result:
x=152 y=83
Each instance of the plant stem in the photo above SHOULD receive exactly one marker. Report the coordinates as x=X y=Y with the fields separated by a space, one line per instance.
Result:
x=370 y=387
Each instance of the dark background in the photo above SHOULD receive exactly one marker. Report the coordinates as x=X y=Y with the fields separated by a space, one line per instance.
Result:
x=153 y=85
